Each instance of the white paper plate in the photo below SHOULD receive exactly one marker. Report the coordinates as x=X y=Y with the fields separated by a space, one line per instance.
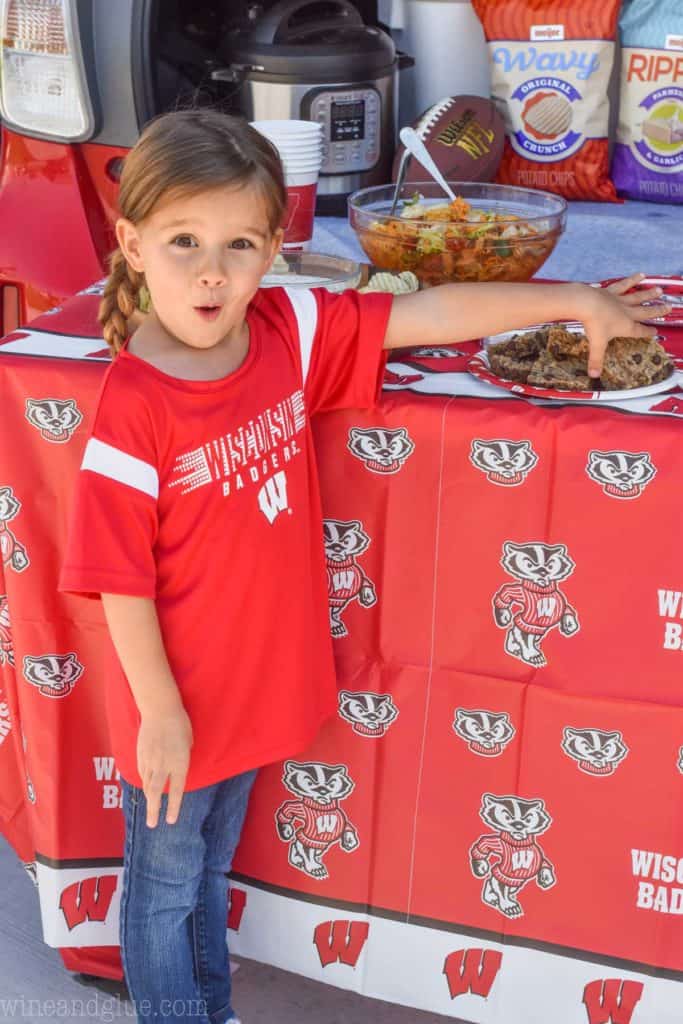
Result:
x=480 y=368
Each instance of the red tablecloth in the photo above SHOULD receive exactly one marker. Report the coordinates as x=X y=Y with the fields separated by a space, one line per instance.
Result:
x=510 y=844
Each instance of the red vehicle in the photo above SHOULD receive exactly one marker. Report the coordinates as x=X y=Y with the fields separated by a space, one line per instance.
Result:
x=78 y=80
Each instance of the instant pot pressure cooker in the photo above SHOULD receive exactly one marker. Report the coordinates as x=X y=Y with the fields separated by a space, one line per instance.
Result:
x=316 y=60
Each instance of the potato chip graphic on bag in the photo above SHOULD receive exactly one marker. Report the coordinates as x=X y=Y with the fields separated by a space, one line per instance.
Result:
x=548 y=117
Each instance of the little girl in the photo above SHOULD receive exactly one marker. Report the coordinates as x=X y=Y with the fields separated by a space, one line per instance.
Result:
x=197 y=515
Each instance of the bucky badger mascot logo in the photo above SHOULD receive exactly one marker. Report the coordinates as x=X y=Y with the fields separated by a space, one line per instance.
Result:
x=621 y=474
x=55 y=675
x=56 y=420
x=370 y=714
x=346 y=581
x=529 y=609
x=315 y=822
x=382 y=451
x=485 y=732
x=13 y=553
x=506 y=463
x=510 y=857
x=595 y=752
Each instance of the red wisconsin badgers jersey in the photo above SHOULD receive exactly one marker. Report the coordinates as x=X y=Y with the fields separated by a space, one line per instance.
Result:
x=204 y=496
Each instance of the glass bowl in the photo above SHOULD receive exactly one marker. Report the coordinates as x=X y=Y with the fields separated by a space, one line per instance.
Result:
x=465 y=243
x=312 y=270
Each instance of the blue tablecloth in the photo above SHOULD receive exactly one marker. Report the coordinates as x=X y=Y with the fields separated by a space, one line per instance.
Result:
x=602 y=240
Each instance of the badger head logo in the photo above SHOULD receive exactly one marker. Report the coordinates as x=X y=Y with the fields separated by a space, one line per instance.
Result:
x=370 y=714
x=318 y=782
x=595 y=752
x=382 y=451
x=486 y=733
x=56 y=420
x=680 y=760
x=53 y=674
x=542 y=564
x=506 y=463
x=621 y=474
x=344 y=540
x=9 y=505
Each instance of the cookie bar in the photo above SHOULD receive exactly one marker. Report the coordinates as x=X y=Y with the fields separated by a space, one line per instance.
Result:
x=507 y=365
x=569 y=374
x=563 y=343
x=634 y=363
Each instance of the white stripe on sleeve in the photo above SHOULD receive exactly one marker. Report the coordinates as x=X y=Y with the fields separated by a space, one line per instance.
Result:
x=111 y=462
x=306 y=312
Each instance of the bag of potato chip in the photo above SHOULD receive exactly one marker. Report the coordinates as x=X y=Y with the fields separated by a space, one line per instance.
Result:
x=551 y=62
x=648 y=156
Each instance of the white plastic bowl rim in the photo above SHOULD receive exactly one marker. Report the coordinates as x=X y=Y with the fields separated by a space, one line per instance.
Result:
x=286 y=127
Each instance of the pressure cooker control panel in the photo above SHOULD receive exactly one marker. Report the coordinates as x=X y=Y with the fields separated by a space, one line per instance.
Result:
x=351 y=120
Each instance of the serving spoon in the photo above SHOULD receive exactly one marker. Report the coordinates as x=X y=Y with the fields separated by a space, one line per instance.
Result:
x=402 y=168
x=416 y=147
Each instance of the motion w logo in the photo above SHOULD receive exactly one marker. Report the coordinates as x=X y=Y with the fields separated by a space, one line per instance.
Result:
x=545 y=606
x=272 y=497
x=472 y=970
x=341 y=941
x=522 y=859
x=611 y=1001
x=88 y=900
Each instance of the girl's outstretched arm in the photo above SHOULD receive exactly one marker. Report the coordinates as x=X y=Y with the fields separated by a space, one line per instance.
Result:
x=165 y=736
x=457 y=312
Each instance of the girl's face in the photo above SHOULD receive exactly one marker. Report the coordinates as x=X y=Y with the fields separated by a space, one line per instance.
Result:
x=203 y=257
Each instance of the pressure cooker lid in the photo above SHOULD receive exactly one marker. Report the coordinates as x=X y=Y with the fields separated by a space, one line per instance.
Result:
x=323 y=39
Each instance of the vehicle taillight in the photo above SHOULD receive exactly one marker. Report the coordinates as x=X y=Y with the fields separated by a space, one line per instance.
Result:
x=43 y=87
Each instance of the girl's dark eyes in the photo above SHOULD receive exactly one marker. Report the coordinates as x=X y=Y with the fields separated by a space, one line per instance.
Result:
x=187 y=242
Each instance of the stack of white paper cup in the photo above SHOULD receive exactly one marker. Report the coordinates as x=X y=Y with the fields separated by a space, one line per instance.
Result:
x=300 y=145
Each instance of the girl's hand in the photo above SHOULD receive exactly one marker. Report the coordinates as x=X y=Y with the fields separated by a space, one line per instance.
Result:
x=611 y=313
x=163 y=751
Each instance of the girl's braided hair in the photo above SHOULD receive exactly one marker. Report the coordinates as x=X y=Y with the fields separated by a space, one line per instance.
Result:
x=184 y=153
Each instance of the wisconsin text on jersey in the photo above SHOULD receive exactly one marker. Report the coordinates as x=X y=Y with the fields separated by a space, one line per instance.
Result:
x=246 y=454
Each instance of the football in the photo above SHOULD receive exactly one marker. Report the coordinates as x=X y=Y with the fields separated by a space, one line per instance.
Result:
x=464 y=136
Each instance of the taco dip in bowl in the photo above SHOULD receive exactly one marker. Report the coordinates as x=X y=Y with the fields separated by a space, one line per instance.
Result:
x=490 y=232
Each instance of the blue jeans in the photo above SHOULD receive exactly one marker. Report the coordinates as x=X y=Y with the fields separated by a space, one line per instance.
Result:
x=174 y=902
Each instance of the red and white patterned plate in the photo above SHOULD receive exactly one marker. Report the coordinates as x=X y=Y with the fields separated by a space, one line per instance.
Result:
x=672 y=288
x=479 y=367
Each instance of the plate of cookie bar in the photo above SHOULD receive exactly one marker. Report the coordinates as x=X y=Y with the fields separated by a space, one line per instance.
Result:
x=551 y=361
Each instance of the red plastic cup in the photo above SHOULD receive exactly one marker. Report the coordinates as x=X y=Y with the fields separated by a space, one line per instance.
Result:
x=300 y=212
x=300 y=146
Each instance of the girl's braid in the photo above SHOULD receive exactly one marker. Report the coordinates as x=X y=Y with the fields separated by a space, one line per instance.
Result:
x=119 y=300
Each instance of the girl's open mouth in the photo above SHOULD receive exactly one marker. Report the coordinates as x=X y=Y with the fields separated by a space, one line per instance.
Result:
x=208 y=312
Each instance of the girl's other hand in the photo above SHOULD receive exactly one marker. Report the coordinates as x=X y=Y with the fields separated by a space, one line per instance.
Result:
x=163 y=752
x=613 y=313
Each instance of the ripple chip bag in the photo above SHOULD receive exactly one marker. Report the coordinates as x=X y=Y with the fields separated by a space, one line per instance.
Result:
x=551 y=62
x=648 y=158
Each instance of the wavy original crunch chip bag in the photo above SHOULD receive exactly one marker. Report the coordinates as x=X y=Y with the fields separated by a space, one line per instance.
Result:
x=551 y=62
x=648 y=158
